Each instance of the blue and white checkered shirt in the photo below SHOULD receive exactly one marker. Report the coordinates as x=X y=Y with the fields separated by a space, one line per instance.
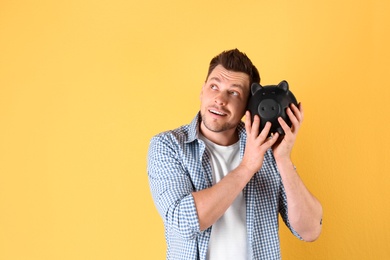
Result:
x=178 y=164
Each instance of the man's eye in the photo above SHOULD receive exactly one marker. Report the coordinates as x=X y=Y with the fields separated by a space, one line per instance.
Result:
x=234 y=93
x=214 y=87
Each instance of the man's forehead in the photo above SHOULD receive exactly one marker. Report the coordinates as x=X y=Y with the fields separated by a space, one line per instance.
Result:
x=220 y=74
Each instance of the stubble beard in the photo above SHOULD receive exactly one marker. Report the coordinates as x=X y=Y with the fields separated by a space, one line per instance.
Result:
x=215 y=126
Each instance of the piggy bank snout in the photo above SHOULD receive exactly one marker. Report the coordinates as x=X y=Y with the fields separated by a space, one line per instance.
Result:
x=268 y=109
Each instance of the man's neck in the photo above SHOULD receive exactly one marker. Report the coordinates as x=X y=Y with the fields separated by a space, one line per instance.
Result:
x=225 y=138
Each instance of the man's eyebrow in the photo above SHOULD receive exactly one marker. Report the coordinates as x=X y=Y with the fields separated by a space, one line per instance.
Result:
x=238 y=86
x=233 y=85
x=215 y=78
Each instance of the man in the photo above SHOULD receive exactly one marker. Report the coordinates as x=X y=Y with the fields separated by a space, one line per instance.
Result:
x=219 y=184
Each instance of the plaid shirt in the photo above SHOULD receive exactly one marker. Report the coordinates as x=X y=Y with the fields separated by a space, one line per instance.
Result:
x=178 y=164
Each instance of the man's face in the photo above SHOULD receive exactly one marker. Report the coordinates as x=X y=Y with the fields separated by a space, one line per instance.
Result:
x=223 y=100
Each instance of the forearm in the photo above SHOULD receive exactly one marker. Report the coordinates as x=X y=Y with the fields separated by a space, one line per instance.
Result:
x=212 y=203
x=304 y=210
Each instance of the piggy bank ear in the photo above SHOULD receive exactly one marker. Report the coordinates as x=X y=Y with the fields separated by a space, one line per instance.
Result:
x=255 y=87
x=283 y=85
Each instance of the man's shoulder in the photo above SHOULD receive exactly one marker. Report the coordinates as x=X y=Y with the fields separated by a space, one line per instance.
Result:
x=173 y=142
x=180 y=133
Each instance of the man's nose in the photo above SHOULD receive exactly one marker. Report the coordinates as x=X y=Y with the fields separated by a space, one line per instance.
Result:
x=221 y=98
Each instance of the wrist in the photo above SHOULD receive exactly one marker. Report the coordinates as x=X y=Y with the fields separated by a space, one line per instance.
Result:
x=284 y=162
x=282 y=159
x=246 y=170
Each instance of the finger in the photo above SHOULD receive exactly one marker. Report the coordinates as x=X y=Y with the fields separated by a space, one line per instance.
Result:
x=297 y=112
x=256 y=126
x=272 y=140
x=294 y=120
x=248 y=122
x=300 y=106
x=264 y=133
x=284 y=125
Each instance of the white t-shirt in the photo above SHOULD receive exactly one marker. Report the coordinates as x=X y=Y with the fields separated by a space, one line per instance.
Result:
x=228 y=238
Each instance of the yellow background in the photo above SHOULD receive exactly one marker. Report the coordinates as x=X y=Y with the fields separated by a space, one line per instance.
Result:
x=85 y=84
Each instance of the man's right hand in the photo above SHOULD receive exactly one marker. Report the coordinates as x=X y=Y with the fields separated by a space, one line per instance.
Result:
x=256 y=143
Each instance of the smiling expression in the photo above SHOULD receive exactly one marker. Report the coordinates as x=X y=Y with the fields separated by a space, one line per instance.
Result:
x=223 y=101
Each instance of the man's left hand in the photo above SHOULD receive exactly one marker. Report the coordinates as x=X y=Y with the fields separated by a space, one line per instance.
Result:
x=282 y=149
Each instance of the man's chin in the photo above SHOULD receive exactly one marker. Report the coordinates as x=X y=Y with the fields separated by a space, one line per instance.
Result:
x=217 y=128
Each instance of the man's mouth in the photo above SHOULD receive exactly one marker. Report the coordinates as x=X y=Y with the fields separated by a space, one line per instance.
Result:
x=217 y=112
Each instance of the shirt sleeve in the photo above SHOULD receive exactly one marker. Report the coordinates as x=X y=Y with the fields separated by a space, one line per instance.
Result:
x=171 y=187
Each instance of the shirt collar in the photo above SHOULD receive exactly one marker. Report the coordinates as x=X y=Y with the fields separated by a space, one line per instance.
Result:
x=193 y=129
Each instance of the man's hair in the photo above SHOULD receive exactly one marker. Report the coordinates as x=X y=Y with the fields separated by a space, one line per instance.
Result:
x=237 y=61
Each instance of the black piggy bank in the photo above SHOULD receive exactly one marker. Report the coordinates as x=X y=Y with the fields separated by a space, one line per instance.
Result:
x=270 y=102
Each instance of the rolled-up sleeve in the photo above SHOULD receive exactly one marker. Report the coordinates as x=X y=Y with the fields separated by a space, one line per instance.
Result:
x=171 y=187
